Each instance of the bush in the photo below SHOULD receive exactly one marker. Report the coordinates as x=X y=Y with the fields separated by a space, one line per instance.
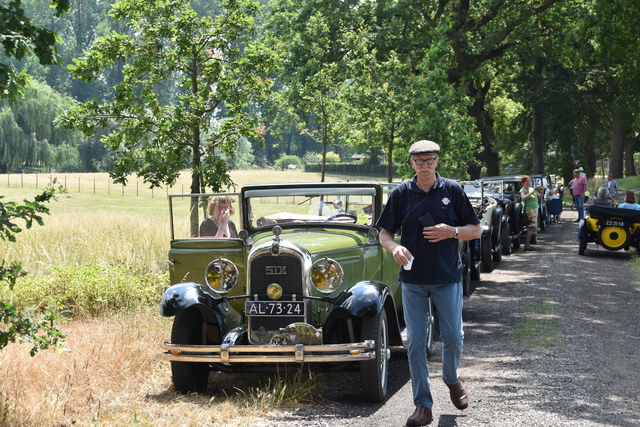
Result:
x=285 y=161
x=90 y=290
x=311 y=157
x=332 y=157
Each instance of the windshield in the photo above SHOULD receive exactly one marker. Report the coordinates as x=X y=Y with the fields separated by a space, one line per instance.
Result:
x=311 y=206
x=190 y=214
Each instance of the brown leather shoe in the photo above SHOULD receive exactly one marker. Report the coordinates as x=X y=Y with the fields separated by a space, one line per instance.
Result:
x=459 y=396
x=421 y=416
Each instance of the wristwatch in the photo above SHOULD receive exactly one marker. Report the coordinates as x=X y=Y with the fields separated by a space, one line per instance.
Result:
x=455 y=233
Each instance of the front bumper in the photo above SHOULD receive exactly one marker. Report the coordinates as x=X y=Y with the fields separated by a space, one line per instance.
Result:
x=301 y=353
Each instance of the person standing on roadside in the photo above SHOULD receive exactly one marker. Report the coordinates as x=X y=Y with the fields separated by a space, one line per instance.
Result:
x=612 y=186
x=434 y=213
x=579 y=188
x=531 y=199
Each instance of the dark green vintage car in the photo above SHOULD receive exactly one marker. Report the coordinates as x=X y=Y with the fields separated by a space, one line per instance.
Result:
x=306 y=283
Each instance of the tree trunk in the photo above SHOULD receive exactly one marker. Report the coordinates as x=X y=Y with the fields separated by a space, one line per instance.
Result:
x=589 y=159
x=537 y=135
x=324 y=148
x=617 y=143
x=390 y=152
x=486 y=156
x=629 y=163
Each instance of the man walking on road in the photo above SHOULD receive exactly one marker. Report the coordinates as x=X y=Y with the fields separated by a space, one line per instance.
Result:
x=434 y=213
x=579 y=188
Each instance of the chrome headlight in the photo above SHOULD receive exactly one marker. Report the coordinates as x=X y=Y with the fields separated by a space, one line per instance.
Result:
x=221 y=275
x=326 y=275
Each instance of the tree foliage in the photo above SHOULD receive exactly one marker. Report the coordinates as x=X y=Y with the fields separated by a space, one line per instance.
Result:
x=19 y=37
x=213 y=70
x=25 y=325
x=28 y=137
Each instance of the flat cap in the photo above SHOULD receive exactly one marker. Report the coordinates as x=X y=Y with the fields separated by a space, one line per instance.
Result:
x=424 y=147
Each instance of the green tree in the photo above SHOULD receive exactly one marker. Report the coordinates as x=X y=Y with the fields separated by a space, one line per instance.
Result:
x=15 y=324
x=19 y=37
x=28 y=137
x=617 y=50
x=217 y=68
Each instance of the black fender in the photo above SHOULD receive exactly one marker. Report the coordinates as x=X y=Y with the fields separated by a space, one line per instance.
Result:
x=496 y=223
x=486 y=230
x=366 y=299
x=185 y=295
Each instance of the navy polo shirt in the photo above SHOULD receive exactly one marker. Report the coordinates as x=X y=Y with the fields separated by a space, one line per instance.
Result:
x=435 y=263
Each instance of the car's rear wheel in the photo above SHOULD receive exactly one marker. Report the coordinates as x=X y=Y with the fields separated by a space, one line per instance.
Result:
x=487 y=260
x=189 y=377
x=614 y=238
x=374 y=373
x=506 y=238
x=583 y=244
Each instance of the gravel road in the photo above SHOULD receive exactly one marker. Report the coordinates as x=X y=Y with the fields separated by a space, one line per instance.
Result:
x=551 y=339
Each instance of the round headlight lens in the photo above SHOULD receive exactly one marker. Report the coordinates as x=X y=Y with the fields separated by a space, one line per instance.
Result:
x=274 y=291
x=221 y=275
x=326 y=275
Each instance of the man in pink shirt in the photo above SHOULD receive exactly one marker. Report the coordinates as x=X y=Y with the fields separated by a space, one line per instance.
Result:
x=579 y=187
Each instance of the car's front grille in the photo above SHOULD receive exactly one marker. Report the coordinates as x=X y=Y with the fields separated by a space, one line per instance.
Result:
x=267 y=269
x=285 y=270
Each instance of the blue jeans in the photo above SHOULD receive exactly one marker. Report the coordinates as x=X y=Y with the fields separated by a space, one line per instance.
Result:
x=579 y=205
x=447 y=299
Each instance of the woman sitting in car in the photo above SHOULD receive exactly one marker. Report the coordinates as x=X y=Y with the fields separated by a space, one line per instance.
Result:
x=629 y=201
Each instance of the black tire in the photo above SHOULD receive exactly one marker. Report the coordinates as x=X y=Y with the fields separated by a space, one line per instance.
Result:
x=542 y=218
x=506 y=238
x=374 y=373
x=583 y=243
x=534 y=239
x=465 y=257
x=496 y=223
x=497 y=249
x=516 y=217
x=475 y=255
x=487 y=259
x=189 y=377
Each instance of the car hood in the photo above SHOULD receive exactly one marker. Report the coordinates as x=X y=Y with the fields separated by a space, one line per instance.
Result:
x=318 y=240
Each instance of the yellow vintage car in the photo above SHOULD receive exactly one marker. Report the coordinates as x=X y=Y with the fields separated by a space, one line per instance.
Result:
x=611 y=228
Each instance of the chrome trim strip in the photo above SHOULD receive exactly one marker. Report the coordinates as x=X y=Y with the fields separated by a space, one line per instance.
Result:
x=299 y=353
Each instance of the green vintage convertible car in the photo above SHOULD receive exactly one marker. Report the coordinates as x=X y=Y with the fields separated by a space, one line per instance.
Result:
x=305 y=283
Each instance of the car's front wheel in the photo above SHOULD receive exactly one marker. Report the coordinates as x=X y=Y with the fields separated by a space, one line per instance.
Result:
x=485 y=248
x=374 y=373
x=506 y=238
x=188 y=377
x=497 y=250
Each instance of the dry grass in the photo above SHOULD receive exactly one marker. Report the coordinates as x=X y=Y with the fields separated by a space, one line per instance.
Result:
x=111 y=375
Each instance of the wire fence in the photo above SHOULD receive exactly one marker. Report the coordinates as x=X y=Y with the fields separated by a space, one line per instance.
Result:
x=96 y=183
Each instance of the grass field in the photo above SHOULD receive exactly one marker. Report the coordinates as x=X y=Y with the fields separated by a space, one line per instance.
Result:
x=102 y=255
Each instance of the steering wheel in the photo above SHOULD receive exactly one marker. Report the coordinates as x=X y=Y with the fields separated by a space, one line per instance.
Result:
x=336 y=216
